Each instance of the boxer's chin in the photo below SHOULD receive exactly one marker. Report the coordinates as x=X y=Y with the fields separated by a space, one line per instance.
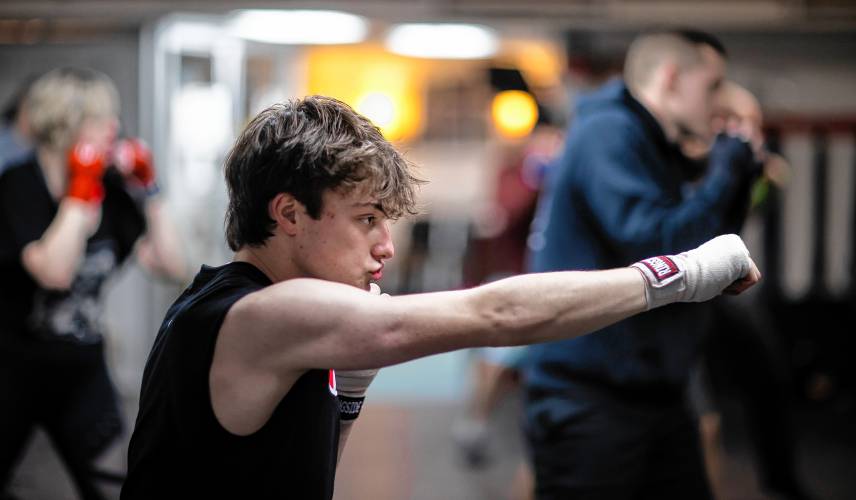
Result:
x=364 y=284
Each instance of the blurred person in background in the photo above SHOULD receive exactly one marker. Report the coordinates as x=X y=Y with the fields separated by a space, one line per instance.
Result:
x=70 y=215
x=743 y=355
x=606 y=415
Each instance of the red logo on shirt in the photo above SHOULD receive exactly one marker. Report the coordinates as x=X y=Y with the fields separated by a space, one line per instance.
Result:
x=331 y=382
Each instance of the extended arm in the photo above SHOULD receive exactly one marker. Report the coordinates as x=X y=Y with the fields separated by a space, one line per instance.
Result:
x=272 y=336
x=305 y=323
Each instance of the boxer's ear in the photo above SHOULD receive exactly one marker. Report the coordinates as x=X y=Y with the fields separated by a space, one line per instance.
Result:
x=283 y=209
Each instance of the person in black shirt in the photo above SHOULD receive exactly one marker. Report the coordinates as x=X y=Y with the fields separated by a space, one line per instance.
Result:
x=68 y=220
x=261 y=365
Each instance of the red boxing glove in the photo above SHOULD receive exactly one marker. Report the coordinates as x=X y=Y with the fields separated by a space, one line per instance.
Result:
x=134 y=159
x=85 y=168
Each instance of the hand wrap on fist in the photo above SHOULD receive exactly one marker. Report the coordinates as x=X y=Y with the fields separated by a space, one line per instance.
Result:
x=351 y=386
x=696 y=275
x=86 y=164
x=134 y=159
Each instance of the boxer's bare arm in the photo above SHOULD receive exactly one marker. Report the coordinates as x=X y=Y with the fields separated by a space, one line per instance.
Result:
x=305 y=324
x=270 y=337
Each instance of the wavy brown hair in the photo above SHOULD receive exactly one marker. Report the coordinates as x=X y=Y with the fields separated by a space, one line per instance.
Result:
x=304 y=147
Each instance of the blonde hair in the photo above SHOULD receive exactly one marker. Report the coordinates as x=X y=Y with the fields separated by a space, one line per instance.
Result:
x=61 y=100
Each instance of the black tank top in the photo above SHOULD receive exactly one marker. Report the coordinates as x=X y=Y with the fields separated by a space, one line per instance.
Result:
x=180 y=450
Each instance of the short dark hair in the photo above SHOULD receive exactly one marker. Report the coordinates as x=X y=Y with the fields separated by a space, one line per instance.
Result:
x=304 y=147
x=698 y=37
x=649 y=49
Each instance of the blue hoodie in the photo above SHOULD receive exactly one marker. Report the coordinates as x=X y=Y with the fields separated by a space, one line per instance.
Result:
x=618 y=194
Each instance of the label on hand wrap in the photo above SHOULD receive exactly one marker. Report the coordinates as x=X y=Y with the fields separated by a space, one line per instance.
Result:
x=349 y=408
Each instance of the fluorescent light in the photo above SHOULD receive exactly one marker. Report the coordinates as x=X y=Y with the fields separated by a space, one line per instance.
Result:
x=190 y=36
x=442 y=41
x=299 y=27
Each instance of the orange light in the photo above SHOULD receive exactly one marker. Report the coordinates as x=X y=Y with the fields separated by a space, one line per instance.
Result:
x=541 y=63
x=514 y=113
x=387 y=89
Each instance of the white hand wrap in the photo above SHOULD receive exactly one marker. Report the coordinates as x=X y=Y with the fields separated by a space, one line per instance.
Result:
x=697 y=275
x=351 y=386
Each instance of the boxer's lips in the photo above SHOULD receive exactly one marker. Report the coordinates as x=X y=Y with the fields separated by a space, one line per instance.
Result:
x=377 y=275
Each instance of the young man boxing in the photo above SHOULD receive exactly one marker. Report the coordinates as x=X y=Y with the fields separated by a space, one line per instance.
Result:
x=260 y=366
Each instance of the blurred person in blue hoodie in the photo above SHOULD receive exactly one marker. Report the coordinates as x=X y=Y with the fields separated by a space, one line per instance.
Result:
x=606 y=415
